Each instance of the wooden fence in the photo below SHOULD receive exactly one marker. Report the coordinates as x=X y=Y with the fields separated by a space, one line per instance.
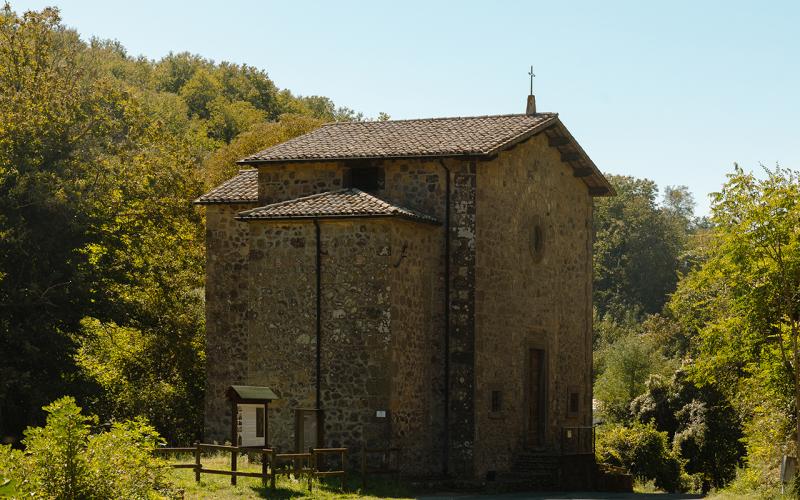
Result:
x=388 y=463
x=579 y=440
x=273 y=464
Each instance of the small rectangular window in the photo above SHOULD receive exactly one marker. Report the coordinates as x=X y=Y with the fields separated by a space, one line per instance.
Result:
x=574 y=403
x=260 y=422
x=497 y=401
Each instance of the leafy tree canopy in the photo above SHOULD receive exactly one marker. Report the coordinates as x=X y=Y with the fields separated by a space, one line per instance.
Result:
x=638 y=246
x=101 y=252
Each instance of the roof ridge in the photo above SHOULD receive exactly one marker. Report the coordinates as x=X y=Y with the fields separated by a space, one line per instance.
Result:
x=438 y=118
x=302 y=198
x=386 y=206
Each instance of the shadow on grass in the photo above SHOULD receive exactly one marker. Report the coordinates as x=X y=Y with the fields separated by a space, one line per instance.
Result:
x=380 y=487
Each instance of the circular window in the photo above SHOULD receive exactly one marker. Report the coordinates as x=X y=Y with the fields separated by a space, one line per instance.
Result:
x=537 y=241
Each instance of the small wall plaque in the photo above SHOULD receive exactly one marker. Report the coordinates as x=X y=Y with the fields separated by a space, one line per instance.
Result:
x=380 y=414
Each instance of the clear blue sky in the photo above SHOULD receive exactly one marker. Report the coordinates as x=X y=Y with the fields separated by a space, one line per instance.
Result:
x=674 y=91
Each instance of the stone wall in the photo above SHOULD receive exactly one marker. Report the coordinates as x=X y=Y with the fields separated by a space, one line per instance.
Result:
x=416 y=184
x=281 y=348
x=383 y=307
x=461 y=419
x=421 y=185
x=226 y=300
x=356 y=331
x=527 y=302
x=378 y=350
x=281 y=182
x=417 y=354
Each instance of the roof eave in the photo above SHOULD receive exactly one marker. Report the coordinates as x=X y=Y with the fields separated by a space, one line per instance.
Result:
x=200 y=201
x=473 y=155
x=582 y=165
x=339 y=217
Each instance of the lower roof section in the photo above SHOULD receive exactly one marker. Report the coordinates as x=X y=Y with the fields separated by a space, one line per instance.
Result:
x=344 y=203
x=242 y=188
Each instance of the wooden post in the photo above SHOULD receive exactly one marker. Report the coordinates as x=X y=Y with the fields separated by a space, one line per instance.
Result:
x=272 y=470
x=197 y=465
x=363 y=468
x=264 y=468
x=234 y=457
x=234 y=437
x=398 y=454
x=344 y=468
x=234 y=423
x=312 y=465
x=266 y=424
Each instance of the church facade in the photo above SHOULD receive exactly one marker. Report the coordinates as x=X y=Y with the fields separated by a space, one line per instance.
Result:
x=420 y=284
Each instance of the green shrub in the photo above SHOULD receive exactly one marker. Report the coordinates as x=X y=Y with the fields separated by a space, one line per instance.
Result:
x=643 y=451
x=64 y=460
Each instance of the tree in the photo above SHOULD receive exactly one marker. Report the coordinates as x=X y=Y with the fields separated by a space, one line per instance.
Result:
x=638 y=245
x=95 y=221
x=228 y=119
x=56 y=116
x=201 y=89
x=703 y=427
x=174 y=70
x=221 y=164
x=642 y=450
x=743 y=302
x=624 y=366
x=101 y=251
x=66 y=460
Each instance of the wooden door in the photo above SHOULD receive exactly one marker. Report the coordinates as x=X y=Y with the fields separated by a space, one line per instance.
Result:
x=536 y=401
x=307 y=429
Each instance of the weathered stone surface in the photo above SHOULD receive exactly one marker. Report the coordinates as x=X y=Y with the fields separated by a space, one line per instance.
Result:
x=521 y=303
x=281 y=345
x=227 y=249
x=416 y=405
x=462 y=318
x=383 y=308
x=281 y=182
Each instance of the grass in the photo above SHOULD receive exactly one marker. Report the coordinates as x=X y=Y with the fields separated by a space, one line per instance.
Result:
x=640 y=486
x=6 y=488
x=219 y=486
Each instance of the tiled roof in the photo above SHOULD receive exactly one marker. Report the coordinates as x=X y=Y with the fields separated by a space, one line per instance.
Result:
x=344 y=203
x=242 y=188
x=432 y=137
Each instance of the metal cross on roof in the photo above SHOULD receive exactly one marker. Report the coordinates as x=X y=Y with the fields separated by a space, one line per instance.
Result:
x=532 y=75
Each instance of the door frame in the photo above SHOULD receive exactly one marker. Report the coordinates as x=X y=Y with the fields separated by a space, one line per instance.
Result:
x=299 y=427
x=543 y=396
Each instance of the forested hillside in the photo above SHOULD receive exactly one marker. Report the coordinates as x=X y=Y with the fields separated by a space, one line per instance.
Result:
x=697 y=320
x=696 y=332
x=101 y=252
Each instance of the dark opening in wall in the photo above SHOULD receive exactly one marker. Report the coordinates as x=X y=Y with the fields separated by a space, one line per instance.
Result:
x=574 y=403
x=497 y=401
x=365 y=178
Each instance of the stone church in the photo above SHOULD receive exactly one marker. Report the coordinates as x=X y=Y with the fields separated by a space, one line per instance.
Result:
x=422 y=284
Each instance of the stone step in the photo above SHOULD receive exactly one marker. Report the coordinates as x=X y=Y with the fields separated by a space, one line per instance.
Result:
x=536 y=461
x=508 y=482
x=511 y=475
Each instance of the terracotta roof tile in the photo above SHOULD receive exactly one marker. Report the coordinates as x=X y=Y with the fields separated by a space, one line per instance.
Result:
x=344 y=203
x=242 y=188
x=478 y=135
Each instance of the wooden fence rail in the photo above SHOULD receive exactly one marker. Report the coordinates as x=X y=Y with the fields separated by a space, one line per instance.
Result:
x=272 y=464
x=341 y=472
x=386 y=464
x=299 y=464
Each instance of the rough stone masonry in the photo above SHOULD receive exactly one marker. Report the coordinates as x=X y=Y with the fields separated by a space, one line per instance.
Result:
x=426 y=284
